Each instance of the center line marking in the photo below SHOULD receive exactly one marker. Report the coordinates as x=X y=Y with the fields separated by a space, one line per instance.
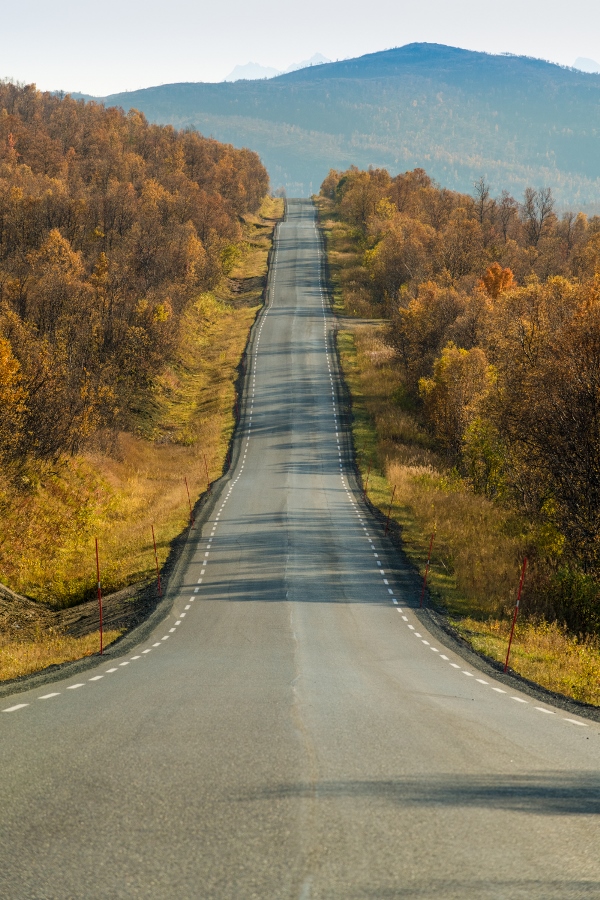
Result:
x=55 y=694
x=73 y=687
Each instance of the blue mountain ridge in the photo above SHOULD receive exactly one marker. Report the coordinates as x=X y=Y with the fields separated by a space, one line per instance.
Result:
x=460 y=114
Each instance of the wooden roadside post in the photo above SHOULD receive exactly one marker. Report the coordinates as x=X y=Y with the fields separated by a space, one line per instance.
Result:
x=366 y=483
x=516 y=613
x=156 y=561
x=99 y=599
x=427 y=568
x=387 y=523
x=190 y=503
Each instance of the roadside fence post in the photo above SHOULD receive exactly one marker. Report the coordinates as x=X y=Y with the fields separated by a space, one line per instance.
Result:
x=99 y=599
x=207 y=477
x=387 y=524
x=427 y=568
x=516 y=613
x=189 y=502
x=156 y=561
x=366 y=483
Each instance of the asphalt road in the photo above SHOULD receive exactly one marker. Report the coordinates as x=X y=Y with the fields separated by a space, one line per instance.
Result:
x=290 y=730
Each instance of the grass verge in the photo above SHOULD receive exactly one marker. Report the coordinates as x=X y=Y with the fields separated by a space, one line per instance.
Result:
x=18 y=658
x=478 y=545
x=349 y=280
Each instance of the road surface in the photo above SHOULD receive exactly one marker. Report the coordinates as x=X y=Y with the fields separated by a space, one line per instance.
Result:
x=290 y=730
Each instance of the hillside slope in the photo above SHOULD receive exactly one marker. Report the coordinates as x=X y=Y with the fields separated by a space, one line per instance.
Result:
x=460 y=114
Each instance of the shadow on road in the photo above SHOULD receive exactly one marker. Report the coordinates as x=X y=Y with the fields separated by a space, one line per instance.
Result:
x=540 y=794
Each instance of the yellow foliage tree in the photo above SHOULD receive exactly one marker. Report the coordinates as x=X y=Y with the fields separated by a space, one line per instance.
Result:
x=461 y=380
x=497 y=280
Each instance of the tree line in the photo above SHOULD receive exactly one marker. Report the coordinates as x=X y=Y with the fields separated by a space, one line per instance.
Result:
x=109 y=227
x=494 y=309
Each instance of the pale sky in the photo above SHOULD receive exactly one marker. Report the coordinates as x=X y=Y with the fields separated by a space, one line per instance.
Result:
x=116 y=45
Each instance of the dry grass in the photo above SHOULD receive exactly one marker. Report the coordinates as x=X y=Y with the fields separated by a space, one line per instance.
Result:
x=19 y=658
x=544 y=653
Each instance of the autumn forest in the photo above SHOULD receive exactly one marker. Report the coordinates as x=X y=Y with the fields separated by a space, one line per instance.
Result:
x=109 y=227
x=493 y=306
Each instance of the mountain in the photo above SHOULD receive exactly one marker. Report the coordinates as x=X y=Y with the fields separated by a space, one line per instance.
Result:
x=459 y=114
x=586 y=65
x=317 y=60
x=252 y=70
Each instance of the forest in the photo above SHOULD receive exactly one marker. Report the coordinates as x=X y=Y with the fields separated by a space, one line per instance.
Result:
x=493 y=310
x=109 y=228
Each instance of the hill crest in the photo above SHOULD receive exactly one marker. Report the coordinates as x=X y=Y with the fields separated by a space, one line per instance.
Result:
x=460 y=114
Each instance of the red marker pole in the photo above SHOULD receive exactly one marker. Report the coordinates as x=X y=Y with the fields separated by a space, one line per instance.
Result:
x=516 y=613
x=366 y=483
x=99 y=598
x=156 y=561
x=190 y=503
x=426 y=569
x=387 y=524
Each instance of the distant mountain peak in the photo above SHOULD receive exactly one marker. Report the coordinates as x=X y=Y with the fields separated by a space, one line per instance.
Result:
x=253 y=71
x=317 y=60
x=586 y=65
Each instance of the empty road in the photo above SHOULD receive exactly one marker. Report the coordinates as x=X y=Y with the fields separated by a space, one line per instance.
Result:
x=290 y=730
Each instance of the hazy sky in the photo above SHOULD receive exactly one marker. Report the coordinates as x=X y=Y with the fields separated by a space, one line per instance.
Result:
x=114 y=45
